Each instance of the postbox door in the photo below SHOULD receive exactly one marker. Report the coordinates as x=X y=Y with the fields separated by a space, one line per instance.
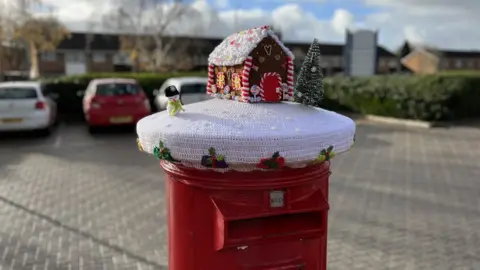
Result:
x=244 y=225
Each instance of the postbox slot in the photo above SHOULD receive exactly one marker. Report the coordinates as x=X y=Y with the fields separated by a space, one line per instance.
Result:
x=289 y=224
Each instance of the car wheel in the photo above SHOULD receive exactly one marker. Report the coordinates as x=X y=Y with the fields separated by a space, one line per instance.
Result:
x=92 y=130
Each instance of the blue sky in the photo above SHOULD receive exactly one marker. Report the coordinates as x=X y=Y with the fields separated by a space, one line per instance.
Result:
x=320 y=10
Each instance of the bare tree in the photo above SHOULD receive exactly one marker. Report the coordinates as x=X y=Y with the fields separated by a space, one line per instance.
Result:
x=3 y=36
x=12 y=53
x=147 y=27
x=39 y=33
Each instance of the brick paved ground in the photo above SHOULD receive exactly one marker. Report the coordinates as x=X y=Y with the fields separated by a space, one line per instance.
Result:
x=402 y=199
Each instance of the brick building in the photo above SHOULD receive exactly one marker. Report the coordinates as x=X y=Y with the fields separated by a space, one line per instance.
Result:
x=333 y=57
x=84 y=52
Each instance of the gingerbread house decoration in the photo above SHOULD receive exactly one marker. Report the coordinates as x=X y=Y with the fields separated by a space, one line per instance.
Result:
x=251 y=66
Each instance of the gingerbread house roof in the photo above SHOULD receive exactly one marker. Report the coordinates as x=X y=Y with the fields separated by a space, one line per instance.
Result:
x=237 y=47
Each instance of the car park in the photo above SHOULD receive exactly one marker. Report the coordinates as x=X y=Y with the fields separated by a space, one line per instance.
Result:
x=192 y=89
x=26 y=106
x=113 y=102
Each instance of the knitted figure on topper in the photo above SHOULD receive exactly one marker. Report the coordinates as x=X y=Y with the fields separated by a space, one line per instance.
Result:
x=254 y=58
x=309 y=84
x=174 y=105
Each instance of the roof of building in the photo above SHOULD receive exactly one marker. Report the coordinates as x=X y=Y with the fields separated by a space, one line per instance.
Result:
x=237 y=47
x=383 y=52
x=409 y=47
x=333 y=49
x=325 y=48
x=111 y=42
x=460 y=54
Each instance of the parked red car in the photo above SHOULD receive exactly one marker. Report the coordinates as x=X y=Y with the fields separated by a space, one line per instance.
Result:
x=108 y=102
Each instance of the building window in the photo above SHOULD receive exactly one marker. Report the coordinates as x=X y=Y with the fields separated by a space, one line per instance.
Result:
x=298 y=53
x=144 y=59
x=75 y=57
x=99 y=58
x=392 y=63
x=196 y=59
x=204 y=61
x=459 y=63
x=382 y=62
x=445 y=64
x=121 y=58
x=337 y=61
x=48 y=56
x=327 y=63
x=298 y=62
x=471 y=64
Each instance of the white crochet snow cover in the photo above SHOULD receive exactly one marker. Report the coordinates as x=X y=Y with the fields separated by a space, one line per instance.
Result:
x=245 y=133
x=236 y=48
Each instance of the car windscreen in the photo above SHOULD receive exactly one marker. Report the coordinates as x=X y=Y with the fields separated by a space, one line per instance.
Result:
x=117 y=89
x=18 y=93
x=193 y=88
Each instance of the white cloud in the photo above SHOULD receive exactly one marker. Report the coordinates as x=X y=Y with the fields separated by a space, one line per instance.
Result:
x=441 y=23
x=342 y=19
x=222 y=3
x=294 y=1
x=413 y=34
x=294 y=22
x=444 y=23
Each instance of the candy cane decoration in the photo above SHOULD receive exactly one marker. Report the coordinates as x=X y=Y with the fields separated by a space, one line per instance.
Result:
x=211 y=79
x=261 y=94
x=289 y=79
x=263 y=78
x=245 y=79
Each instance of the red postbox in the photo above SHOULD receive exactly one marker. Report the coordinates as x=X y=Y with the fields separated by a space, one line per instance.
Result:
x=247 y=173
x=247 y=220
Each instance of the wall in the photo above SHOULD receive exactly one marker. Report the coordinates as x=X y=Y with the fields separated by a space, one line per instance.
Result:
x=106 y=66
x=387 y=65
x=460 y=63
x=54 y=66
x=270 y=64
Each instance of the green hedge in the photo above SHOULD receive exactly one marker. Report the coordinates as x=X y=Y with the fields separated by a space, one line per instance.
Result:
x=446 y=96
x=67 y=87
x=442 y=97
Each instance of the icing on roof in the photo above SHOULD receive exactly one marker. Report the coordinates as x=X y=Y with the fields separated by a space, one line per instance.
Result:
x=235 y=48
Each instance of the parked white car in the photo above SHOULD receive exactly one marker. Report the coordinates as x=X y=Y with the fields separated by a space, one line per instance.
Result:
x=192 y=89
x=24 y=105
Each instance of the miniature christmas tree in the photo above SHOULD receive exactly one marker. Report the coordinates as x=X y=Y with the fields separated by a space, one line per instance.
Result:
x=309 y=85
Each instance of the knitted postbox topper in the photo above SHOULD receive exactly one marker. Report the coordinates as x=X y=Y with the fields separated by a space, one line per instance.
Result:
x=251 y=66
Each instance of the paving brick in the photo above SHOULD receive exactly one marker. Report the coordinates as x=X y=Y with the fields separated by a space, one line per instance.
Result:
x=401 y=199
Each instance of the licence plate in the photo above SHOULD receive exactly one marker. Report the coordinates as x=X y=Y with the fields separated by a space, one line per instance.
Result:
x=11 y=120
x=121 y=119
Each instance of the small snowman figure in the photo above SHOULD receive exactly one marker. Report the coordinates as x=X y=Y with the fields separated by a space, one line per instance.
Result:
x=174 y=104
